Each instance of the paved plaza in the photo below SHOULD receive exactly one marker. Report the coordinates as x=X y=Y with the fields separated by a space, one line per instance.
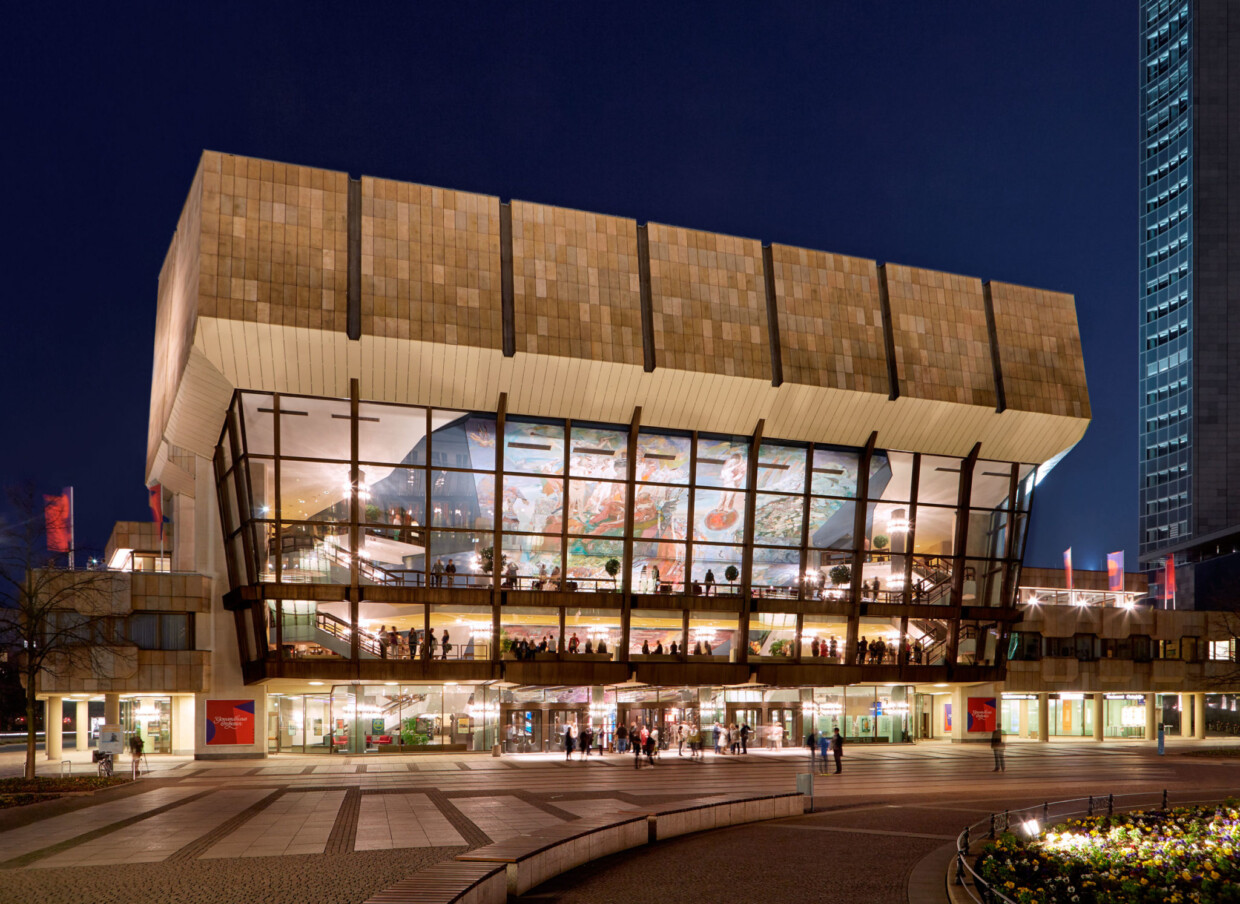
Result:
x=339 y=829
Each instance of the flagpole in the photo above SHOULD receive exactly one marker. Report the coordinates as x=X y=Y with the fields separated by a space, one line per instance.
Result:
x=72 y=531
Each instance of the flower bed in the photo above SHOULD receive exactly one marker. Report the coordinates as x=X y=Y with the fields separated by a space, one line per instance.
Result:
x=1173 y=856
x=17 y=792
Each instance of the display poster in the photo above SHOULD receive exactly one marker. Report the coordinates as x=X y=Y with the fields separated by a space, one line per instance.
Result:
x=376 y=726
x=230 y=722
x=983 y=714
x=111 y=739
x=947 y=717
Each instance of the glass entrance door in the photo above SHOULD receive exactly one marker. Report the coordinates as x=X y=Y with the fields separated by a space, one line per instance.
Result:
x=523 y=730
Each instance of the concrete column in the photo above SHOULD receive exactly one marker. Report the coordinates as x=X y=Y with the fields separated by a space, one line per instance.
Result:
x=1044 y=718
x=1022 y=719
x=82 y=719
x=53 y=727
x=111 y=709
x=1099 y=710
x=1199 y=716
x=183 y=725
x=1186 y=715
x=1151 y=718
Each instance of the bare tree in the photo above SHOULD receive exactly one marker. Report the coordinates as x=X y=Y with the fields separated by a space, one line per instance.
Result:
x=61 y=623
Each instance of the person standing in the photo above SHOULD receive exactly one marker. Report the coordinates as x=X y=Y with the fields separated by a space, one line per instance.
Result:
x=745 y=729
x=824 y=747
x=568 y=742
x=710 y=582
x=996 y=747
x=444 y=641
x=622 y=738
x=437 y=573
x=811 y=741
x=652 y=742
x=636 y=738
x=450 y=571
x=837 y=750
x=587 y=741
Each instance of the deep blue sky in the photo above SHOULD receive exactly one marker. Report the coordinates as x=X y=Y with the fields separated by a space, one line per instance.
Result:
x=991 y=139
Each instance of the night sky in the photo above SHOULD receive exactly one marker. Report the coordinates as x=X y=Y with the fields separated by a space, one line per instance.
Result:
x=991 y=139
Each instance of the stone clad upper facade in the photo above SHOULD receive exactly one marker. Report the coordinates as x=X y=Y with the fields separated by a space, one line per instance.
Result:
x=297 y=279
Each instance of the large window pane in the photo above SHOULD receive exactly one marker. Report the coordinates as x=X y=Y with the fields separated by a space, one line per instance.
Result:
x=531 y=447
x=460 y=440
x=773 y=634
x=597 y=631
x=538 y=626
x=722 y=463
x=533 y=504
x=776 y=571
x=315 y=428
x=537 y=560
x=259 y=423
x=938 y=482
x=831 y=523
x=398 y=496
x=398 y=629
x=653 y=631
x=712 y=634
x=461 y=549
x=596 y=508
x=657 y=566
x=778 y=520
x=662 y=458
x=466 y=500
x=719 y=515
x=391 y=434
x=987 y=533
x=781 y=468
x=466 y=630
x=835 y=472
x=983 y=583
x=932 y=581
x=315 y=553
x=991 y=483
x=935 y=531
x=261 y=474
x=716 y=560
x=891 y=476
x=661 y=512
x=587 y=563
x=598 y=452
x=823 y=638
x=314 y=490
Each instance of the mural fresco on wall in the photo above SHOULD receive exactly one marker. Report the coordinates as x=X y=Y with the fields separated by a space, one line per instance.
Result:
x=667 y=558
x=778 y=520
x=661 y=512
x=466 y=442
x=588 y=558
x=719 y=516
x=533 y=504
x=596 y=507
x=776 y=567
x=835 y=473
x=595 y=452
x=533 y=448
x=662 y=458
x=722 y=463
x=831 y=523
x=781 y=469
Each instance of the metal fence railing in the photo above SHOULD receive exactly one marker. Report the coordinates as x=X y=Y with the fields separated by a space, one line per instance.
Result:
x=1031 y=820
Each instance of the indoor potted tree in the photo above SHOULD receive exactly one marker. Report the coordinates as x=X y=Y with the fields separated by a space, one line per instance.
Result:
x=840 y=575
x=731 y=574
x=612 y=567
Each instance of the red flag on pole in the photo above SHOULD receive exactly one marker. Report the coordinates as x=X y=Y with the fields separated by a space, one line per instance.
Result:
x=1169 y=582
x=156 y=499
x=58 y=514
x=1115 y=571
x=1067 y=566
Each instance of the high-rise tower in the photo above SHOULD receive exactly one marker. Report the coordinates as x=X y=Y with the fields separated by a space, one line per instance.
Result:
x=1189 y=324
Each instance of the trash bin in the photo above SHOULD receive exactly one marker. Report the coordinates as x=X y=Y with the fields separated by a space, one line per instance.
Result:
x=805 y=785
x=495 y=749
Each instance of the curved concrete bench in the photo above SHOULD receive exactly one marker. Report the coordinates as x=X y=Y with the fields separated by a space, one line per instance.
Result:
x=450 y=882
x=489 y=875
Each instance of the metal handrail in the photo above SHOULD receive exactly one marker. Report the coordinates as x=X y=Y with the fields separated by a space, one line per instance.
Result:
x=1045 y=814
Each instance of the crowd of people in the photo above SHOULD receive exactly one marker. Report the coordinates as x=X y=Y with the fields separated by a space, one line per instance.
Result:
x=394 y=644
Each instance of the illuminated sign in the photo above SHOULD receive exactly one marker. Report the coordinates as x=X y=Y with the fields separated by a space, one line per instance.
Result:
x=230 y=722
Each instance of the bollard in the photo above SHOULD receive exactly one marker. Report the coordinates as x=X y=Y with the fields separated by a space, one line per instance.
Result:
x=1110 y=805
x=1164 y=806
x=1091 y=806
x=959 y=868
x=992 y=826
x=1007 y=821
x=1046 y=813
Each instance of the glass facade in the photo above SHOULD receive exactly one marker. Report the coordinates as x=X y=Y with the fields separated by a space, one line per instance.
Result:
x=348 y=495
x=1166 y=272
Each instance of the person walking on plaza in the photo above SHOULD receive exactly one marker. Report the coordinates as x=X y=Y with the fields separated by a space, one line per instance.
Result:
x=996 y=747
x=811 y=741
x=568 y=742
x=652 y=743
x=636 y=740
x=745 y=729
x=587 y=741
x=622 y=738
x=718 y=732
x=734 y=734
x=837 y=750
x=824 y=747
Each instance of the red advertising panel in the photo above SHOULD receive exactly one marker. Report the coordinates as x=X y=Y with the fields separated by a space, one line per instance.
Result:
x=230 y=721
x=947 y=717
x=983 y=714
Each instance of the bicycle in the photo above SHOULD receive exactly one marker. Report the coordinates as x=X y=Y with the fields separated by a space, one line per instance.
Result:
x=104 y=763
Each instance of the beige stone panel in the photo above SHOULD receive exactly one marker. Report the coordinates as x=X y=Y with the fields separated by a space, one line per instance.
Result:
x=430 y=264
x=708 y=303
x=942 y=343
x=830 y=320
x=576 y=287
x=1040 y=350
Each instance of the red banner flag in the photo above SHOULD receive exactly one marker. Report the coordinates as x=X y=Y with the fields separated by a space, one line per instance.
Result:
x=58 y=513
x=1169 y=581
x=1115 y=571
x=156 y=499
x=1067 y=566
